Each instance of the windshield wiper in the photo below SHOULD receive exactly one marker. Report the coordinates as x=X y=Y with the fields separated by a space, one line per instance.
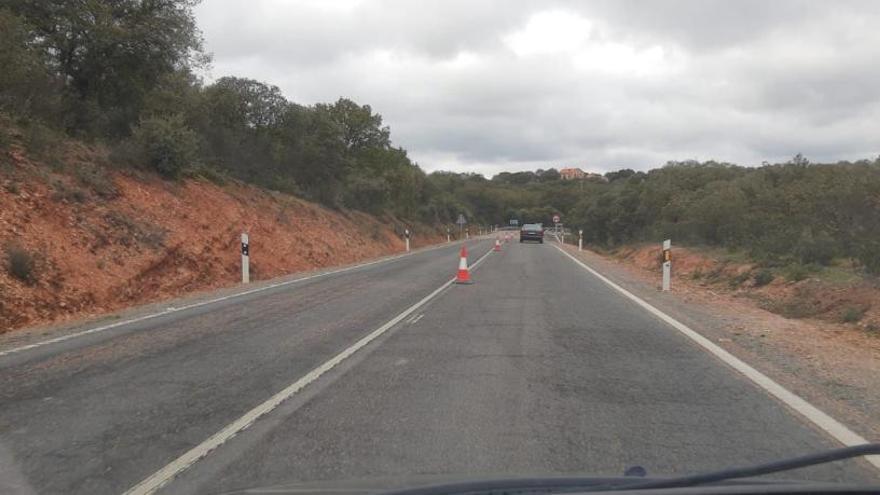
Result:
x=758 y=469
x=576 y=485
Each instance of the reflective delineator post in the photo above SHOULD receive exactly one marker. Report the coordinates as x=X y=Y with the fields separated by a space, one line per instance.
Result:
x=667 y=264
x=464 y=274
x=245 y=259
x=580 y=239
x=406 y=234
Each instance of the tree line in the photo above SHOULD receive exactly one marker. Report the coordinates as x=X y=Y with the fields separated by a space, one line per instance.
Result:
x=123 y=72
x=793 y=212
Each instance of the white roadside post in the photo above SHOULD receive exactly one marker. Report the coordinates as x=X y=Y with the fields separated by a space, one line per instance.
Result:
x=667 y=263
x=406 y=234
x=245 y=257
x=448 y=238
x=467 y=233
x=580 y=239
x=556 y=225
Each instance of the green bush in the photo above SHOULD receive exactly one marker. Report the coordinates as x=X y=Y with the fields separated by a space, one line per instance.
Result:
x=738 y=280
x=40 y=140
x=63 y=192
x=816 y=248
x=21 y=264
x=133 y=231
x=796 y=272
x=366 y=193
x=166 y=144
x=98 y=180
x=869 y=255
x=210 y=174
x=763 y=277
x=852 y=314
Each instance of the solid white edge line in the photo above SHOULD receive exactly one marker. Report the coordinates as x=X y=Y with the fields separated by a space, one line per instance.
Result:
x=831 y=426
x=161 y=477
x=171 y=310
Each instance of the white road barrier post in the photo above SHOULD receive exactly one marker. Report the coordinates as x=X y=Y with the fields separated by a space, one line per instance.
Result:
x=467 y=233
x=667 y=263
x=245 y=260
x=448 y=238
x=406 y=234
x=580 y=239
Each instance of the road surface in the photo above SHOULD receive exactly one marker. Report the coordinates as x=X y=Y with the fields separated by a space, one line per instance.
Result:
x=536 y=368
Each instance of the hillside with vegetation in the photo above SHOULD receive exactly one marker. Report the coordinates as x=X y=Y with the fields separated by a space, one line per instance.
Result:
x=95 y=95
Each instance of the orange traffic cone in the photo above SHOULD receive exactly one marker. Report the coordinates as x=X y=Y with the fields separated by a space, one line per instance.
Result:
x=464 y=275
x=497 y=245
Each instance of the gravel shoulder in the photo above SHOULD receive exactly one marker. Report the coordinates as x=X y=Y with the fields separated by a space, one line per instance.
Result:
x=832 y=366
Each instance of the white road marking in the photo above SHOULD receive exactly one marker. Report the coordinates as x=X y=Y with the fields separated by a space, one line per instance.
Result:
x=173 y=309
x=831 y=426
x=416 y=318
x=161 y=477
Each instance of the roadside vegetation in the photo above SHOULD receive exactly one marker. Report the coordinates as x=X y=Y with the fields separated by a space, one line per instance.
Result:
x=123 y=74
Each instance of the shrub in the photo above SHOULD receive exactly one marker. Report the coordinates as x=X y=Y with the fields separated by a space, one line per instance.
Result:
x=738 y=280
x=98 y=180
x=795 y=308
x=796 y=272
x=366 y=193
x=166 y=144
x=132 y=230
x=869 y=255
x=40 y=140
x=21 y=264
x=5 y=136
x=852 y=314
x=763 y=277
x=816 y=248
x=210 y=174
x=63 y=192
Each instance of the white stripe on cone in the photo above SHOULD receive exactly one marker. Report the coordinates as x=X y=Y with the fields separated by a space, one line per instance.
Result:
x=464 y=276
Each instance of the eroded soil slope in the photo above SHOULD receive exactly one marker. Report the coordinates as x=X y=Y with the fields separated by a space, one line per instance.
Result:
x=86 y=239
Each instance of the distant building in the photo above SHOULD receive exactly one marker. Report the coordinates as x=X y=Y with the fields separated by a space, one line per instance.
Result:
x=572 y=173
x=578 y=174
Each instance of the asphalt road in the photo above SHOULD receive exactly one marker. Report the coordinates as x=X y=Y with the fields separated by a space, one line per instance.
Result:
x=536 y=368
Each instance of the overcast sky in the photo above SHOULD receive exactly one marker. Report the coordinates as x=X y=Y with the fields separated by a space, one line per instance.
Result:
x=487 y=86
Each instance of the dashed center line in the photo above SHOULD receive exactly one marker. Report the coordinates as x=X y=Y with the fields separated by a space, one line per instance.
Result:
x=161 y=477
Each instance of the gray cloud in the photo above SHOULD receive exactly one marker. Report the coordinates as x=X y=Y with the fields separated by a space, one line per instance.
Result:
x=503 y=85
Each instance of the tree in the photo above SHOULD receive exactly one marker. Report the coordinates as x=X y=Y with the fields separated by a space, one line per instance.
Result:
x=27 y=88
x=110 y=54
x=245 y=103
x=361 y=129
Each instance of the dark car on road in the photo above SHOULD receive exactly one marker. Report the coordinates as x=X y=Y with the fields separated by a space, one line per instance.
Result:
x=532 y=232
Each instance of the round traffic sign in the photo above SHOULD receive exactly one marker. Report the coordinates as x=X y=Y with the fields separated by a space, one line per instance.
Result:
x=556 y=219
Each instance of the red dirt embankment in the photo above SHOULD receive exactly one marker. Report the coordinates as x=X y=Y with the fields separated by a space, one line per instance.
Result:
x=100 y=240
x=855 y=301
